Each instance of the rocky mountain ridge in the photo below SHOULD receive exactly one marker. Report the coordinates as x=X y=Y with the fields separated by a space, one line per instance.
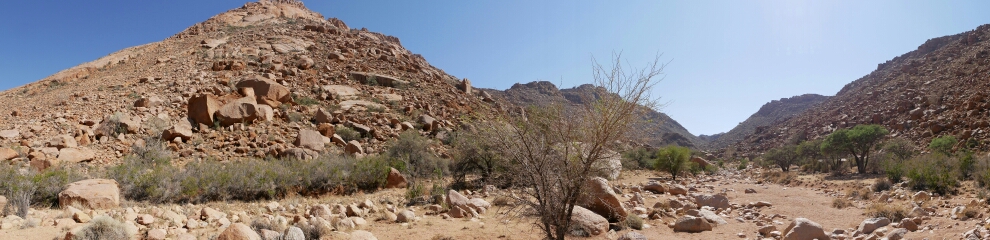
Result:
x=658 y=129
x=268 y=79
x=770 y=113
x=938 y=89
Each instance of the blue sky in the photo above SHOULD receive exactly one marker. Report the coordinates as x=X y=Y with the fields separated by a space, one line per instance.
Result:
x=727 y=58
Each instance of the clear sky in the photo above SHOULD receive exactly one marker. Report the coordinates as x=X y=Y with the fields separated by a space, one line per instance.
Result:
x=727 y=58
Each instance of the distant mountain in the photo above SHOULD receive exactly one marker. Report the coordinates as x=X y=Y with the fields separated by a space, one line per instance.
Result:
x=772 y=112
x=659 y=128
x=939 y=89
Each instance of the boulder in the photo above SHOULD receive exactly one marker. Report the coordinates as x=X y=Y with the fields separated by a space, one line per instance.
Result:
x=691 y=224
x=897 y=234
x=299 y=153
x=182 y=129
x=156 y=234
x=242 y=110
x=701 y=162
x=266 y=91
x=323 y=117
x=8 y=154
x=201 y=108
x=455 y=199
x=716 y=201
x=63 y=141
x=354 y=147
x=909 y=224
x=633 y=236
x=294 y=233
x=677 y=189
x=239 y=231
x=3 y=202
x=870 y=224
x=309 y=139
x=922 y=196
x=405 y=216
x=429 y=123
x=10 y=134
x=585 y=223
x=147 y=102
x=465 y=86
x=378 y=79
x=117 y=123
x=91 y=193
x=75 y=155
x=341 y=92
x=326 y=129
x=711 y=217
x=655 y=187
x=600 y=198
x=395 y=179
x=610 y=166
x=265 y=113
x=802 y=229
x=362 y=235
x=304 y=62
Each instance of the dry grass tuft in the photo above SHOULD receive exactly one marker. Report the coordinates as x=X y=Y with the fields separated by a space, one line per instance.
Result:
x=841 y=203
x=893 y=212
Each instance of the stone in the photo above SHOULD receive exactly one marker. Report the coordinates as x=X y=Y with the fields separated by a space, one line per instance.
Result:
x=465 y=86
x=294 y=233
x=201 y=108
x=632 y=236
x=326 y=129
x=266 y=91
x=309 y=139
x=405 y=216
x=322 y=116
x=3 y=202
x=75 y=155
x=897 y=234
x=918 y=212
x=185 y=236
x=479 y=205
x=354 y=147
x=750 y=190
x=766 y=229
x=395 y=179
x=870 y=224
x=145 y=219
x=304 y=62
x=585 y=223
x=299 y=153
x=238 y=231
x=362 y=235
x=379 y=79
x=909 y=224
x=601 y=199
x=10 y=134
x=429 y=123
x=156 y=234
x=341 y=92
x=921 y=196
x=182 y=129
x=147 y=102
x=213 y=43
x=802 y=228
x=655 y=187
x=91 y=193
x=701 y=162
x=8 y=154
x=691 y=224
x=321 y=211
x=270 y=235
x=265 y=113
x=677 y=189
x=711 y=217
x=81 y=217
x=716 y=201
x=242 y=110
x=209 y=214
x=63 y=141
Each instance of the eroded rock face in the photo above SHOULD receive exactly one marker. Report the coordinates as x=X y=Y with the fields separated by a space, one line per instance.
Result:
x=91 y=193
x=601 y=199
x=585 y=223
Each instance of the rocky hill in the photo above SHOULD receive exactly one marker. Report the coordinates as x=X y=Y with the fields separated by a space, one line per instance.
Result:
x=773 y=112
x=658 y=128
x=268 y=79
x=939 y=89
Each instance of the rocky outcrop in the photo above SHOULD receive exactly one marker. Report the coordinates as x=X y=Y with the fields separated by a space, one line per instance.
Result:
x=92 y=193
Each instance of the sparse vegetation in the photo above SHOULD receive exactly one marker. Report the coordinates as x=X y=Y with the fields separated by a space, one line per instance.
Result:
x=890 y=211
x=943 y=145
x=413 y=150
x=103 y=228
x=348 y=134
x=783 y=156
x=858 y=142
x=841 y=203
x=881 y=185
x=304 y=100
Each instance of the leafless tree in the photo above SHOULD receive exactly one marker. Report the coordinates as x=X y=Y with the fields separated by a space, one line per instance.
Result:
x=552 y=151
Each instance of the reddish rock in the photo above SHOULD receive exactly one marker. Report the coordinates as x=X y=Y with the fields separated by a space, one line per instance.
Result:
x=91 y=193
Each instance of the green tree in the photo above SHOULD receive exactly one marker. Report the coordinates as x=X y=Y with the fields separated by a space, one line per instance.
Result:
x=783 y=156
x=674 y=160
x=858 y=141
x=943 y=145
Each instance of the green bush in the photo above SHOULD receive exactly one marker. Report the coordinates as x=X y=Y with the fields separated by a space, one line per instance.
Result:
x=348 y=134
x=673 y=160
x=743 y=164
x=967 y=163
x=638 y=158
x=943 y=144
x=473 y=155
x=934 y=172
x=413 y=149
x=31 y=188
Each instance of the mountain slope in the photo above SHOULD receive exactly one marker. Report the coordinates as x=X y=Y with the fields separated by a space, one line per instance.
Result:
x=939 y=89
x=659 y=128
x=770 y=113
x=301 y=72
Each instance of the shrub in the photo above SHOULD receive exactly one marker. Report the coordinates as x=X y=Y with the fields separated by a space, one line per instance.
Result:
x=934 y=172
x=413 y=149
x=882 y=185
x=638 y=158
x=634 y=222
x=372 y=172
x=743 y=164
x=782 y=178
x=348 y=134
x=894 y=171
x=890 y=211
x=673 y=160
x=783 y=156
x=103 y=228
x=967 y=163
x=943 y=144
x=472 y=155
x=841 y=203
x=304 y=100
x=26 y=188
x=858 y=141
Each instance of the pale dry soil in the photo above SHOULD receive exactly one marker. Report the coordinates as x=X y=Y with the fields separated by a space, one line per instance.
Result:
x=810 y=198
